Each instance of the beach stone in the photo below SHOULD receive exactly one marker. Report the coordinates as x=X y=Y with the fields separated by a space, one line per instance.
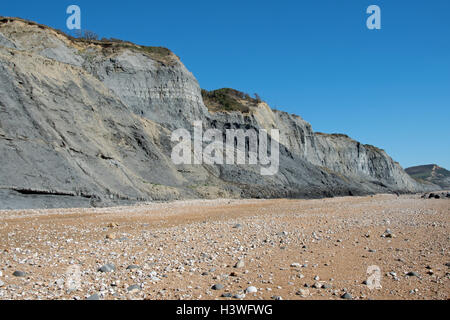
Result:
x=217 y=287
x=303 y=293
x=251 y=289
x=134 y=288
x=107 y=268
x=94 y=297
x=19 y=274
x=347 y=296
x=133 y=267
x=240 y=264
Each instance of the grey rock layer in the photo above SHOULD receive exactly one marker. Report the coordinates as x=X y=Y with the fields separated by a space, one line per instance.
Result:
x=87 y=124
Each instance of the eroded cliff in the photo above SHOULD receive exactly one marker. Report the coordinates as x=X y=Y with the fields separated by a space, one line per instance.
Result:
x=89 y=123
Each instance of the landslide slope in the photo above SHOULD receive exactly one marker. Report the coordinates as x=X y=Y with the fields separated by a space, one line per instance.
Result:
x=431 y=173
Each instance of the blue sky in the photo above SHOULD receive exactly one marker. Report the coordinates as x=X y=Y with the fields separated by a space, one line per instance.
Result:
x=315 y=58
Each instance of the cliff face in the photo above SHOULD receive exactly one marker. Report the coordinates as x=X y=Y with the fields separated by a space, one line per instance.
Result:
x=337 y=153
x=89 y=123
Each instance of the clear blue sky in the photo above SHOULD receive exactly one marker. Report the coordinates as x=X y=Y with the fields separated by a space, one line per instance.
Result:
x=315 y=58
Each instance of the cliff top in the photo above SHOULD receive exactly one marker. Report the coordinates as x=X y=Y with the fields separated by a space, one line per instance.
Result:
x=344 y=136
x=159 y=54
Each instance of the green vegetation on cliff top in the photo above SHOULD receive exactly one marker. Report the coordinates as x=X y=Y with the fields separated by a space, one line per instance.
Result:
x=229 y=100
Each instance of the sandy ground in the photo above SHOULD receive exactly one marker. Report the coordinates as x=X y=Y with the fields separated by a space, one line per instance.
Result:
x=290 y=249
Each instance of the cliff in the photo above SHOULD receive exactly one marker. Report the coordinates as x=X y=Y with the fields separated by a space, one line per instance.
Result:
x=431 y=173
x=89 y=123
